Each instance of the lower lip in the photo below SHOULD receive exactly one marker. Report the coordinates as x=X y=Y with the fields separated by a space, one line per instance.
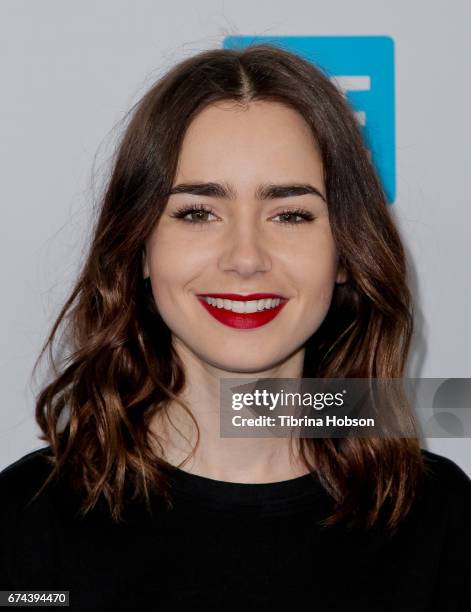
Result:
x=247 y=320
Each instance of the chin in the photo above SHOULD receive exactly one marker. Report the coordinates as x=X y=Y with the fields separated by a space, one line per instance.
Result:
x=244 y=366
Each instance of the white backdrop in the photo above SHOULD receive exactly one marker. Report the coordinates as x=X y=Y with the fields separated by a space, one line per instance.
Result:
x=71 y=70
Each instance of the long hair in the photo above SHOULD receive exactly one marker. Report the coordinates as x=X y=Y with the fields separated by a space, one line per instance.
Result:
x=122 y=369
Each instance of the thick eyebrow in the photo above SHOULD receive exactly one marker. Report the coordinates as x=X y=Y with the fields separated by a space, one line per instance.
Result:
x=263 y=192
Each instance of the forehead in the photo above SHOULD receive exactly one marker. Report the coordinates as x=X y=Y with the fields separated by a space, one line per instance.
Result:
x=261 y=137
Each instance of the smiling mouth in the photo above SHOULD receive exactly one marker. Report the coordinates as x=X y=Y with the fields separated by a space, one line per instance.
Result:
x=238 y=311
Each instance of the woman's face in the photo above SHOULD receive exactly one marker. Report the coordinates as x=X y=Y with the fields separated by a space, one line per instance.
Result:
x=251 y=238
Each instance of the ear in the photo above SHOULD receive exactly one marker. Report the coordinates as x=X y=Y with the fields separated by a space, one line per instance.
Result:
x=145 y=266
x=342 y=275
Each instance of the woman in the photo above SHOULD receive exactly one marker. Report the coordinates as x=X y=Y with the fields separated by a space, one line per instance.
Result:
x=241 y=177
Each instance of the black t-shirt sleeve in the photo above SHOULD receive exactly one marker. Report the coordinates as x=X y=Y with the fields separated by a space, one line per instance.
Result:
x=25 y=527
x=452 y=491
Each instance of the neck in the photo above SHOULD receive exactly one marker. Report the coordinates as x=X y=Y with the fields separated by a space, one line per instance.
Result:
x=250 y=460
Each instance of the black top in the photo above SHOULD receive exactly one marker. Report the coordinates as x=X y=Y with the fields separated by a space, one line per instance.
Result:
x=236 y=547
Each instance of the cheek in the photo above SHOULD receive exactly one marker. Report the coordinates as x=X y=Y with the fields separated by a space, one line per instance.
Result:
x=317 y=272
x=324 y=296
x=320 y=288
x=173 y=264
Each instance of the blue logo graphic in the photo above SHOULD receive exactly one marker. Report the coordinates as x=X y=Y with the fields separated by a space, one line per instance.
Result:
x=363 y=68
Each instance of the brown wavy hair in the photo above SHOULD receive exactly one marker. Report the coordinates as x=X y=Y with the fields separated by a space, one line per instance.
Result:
x=121 y=368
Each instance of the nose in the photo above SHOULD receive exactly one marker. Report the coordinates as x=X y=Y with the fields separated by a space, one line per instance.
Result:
x=244 y=250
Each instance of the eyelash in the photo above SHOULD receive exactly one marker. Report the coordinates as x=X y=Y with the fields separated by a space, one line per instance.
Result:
x=180 y=213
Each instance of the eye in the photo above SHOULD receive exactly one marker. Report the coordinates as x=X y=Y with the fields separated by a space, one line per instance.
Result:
x=304 y=215
x=197 y=213
x=197 y=210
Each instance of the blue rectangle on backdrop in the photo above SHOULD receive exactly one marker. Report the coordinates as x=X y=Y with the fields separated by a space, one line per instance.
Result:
x=363 y=67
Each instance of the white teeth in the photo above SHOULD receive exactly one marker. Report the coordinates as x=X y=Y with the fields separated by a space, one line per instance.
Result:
x=251 y=306
x=238 y=306
x=243 y=307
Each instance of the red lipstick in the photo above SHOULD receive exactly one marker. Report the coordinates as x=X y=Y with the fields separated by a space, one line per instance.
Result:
x=247 y=320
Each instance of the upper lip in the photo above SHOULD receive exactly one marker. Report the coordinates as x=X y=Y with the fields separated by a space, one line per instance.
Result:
x=242 y=298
